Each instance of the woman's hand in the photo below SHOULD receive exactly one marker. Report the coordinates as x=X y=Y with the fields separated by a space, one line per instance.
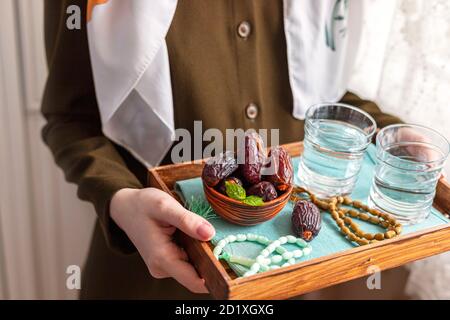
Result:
x=418 y=151
x=150 y=217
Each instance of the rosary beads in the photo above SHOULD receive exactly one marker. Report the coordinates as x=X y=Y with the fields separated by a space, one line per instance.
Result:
x=263 y=261
x=347 y=226
x=343 y=218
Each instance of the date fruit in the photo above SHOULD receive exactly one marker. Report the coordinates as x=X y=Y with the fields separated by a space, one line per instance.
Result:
x=254 y=158
x=279 y=169
x=218 y=168
x=306 y=220
x=263 y=189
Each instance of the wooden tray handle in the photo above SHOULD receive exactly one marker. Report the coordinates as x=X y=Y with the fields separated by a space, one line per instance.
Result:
x=442 y=198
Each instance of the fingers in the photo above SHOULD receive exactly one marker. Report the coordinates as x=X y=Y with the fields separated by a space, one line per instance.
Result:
x=171 y=261
x=149 y=219
x=182 y=255
x=170 y=211
x=186 y=275
x=163 y=255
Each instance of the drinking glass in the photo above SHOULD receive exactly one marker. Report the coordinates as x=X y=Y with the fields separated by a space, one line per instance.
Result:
x=336 y=137
x=410 y=159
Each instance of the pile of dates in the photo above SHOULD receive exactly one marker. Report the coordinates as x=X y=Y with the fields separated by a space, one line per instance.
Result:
x=250 y=175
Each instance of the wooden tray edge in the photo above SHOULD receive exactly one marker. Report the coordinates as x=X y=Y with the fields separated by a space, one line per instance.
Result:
x=216 y=278
x=222 y=286
x=442 y=199
x=290 y=281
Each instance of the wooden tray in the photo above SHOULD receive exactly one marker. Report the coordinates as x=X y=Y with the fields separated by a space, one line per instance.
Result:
x=313 y=274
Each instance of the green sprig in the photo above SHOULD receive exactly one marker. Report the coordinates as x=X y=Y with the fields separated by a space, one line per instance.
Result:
x=202 y=208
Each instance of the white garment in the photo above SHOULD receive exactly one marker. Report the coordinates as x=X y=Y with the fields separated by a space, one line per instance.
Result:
x=131 y=71
x=415 y=85
x=131 y=74
x=403 y=66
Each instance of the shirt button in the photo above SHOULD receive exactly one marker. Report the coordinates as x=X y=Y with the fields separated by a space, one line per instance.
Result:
x=251 y=111
x=244 y=29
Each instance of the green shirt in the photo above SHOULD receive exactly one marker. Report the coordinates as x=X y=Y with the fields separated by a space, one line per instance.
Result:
x=225 y=55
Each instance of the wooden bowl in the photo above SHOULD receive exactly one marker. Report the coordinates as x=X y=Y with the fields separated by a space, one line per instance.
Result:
x=242 y=214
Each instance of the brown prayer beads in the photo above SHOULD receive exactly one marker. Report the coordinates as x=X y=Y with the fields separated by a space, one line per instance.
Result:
x=342 y=217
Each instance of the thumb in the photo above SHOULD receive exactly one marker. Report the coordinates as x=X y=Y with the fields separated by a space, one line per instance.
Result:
x=188 y=222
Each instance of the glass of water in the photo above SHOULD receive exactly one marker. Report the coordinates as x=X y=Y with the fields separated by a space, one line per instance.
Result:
x=410 y=160
x=336 y=137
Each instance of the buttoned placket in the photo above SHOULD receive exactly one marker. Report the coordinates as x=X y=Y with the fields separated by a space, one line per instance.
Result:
x=245 y=33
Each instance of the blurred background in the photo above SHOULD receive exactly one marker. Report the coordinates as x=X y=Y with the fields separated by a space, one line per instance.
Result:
x=403 y=65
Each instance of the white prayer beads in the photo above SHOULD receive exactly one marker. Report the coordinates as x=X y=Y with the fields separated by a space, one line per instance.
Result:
x=264 y=261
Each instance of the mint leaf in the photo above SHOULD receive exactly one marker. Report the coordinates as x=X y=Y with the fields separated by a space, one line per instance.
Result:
x=235 y=191
x=253 y=201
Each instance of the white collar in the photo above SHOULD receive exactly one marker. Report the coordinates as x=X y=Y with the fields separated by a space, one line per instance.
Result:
x=131 y=71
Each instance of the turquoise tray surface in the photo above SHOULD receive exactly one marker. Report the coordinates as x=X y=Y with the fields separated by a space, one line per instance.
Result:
x=329 y=240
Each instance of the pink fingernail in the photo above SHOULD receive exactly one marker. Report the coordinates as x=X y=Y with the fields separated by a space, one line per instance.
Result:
x=205 y=231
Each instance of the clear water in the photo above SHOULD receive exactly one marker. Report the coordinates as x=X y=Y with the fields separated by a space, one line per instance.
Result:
x=332 y=157
x=405 y=185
